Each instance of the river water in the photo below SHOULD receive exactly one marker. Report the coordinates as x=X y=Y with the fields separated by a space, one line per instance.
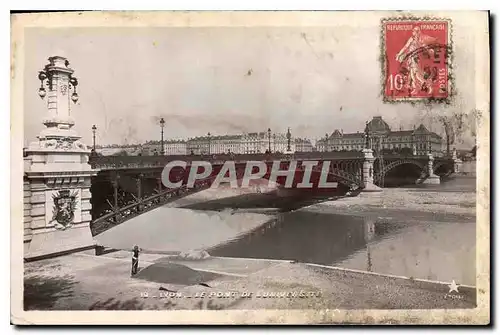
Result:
x=425 y=232
x=435 y=243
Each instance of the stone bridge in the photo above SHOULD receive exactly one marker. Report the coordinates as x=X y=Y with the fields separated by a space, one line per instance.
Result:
x=127 y=186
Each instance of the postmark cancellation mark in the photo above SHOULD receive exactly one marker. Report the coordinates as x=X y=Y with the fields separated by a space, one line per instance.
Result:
x=416 y=59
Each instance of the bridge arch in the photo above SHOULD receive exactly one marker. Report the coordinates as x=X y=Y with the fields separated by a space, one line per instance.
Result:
x=443 y=168
x=346 y=178
x=394 y=164
x=438 y=165
x=116 y=216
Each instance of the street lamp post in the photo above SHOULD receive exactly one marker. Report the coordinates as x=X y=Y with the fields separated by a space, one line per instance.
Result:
x=269 y=138
x=94 y=128
x=413 y=144
x=208 y=135
x=288 y=137
x=47 y=76
x=274 y=140
x=162 y=125
x=326 y=142
x=367 y=136
x=429 y=143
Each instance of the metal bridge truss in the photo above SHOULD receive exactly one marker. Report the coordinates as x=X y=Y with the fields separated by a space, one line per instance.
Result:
x=348 y=173
x=379 y=177
x=122 y=214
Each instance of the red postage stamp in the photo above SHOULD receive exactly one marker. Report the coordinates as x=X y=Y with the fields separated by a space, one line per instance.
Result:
x=416 y=59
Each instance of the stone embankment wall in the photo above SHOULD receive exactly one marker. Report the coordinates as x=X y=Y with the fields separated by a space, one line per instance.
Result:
x=469 y=168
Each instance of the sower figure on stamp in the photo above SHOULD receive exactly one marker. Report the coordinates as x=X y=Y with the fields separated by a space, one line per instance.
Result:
x=409 y=54
x=135 y=260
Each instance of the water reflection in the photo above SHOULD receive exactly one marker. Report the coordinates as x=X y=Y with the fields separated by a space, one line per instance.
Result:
x=429 y=250
x=428 y=245
x=307 y=237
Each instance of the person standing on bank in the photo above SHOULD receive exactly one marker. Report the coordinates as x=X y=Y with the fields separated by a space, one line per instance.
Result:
x=135 y=260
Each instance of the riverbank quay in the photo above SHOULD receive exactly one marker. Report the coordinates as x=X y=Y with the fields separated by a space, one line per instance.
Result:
x=426 y=203
x=84 y=281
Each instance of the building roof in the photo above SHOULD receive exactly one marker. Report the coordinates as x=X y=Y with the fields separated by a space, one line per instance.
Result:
x=216 y=137
x=401 y=133
x=336 y=133
x=174 y=141
x=303 y=140
x=421 y=129
x=378 y=125
x=354 y=135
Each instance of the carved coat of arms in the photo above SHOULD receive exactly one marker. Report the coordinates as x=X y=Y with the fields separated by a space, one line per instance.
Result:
x=64 y=208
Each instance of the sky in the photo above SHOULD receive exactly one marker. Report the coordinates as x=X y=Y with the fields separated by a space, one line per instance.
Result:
x=225 y=80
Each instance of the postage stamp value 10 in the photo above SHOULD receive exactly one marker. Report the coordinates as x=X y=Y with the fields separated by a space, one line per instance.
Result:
x=416 y=59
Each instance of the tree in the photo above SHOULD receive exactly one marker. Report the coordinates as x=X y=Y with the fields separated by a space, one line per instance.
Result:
x=458 y=123
x=449 y=131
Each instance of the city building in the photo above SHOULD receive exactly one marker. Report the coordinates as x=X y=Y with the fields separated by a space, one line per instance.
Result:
x=264 y=141
x=253 y=143
x=279 y=143
x=340 y=141
x=211 y=144
x=198 y=145
x=175 y=147
x=225 y=144
x=418 y=141
x=116 y=149
x=303 y=145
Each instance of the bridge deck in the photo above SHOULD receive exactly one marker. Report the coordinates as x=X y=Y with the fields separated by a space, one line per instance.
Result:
x=120 y=162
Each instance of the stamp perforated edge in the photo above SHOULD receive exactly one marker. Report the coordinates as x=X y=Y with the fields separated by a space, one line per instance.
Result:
x=383 y=61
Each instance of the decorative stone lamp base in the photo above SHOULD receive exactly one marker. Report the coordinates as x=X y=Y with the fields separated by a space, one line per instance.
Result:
x=432 y=180
x=372 y=188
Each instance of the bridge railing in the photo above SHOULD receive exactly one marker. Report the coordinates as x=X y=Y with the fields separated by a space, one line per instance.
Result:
x=117 y=162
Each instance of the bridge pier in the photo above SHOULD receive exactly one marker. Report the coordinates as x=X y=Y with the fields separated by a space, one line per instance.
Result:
x=457 y=162
x=57 y=176
x=431 y=179
x=368 y=172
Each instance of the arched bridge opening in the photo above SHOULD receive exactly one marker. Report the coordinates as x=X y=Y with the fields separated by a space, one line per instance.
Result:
x=121 y=195
x=444 y=168
x=400 y=173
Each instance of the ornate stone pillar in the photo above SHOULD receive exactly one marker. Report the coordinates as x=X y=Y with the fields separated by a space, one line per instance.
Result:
x=57 y=174
x=457 y=162
x=432 y=178
x=368 y=172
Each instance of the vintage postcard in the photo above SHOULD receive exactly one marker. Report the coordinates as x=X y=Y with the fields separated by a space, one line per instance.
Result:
x=250 y=168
